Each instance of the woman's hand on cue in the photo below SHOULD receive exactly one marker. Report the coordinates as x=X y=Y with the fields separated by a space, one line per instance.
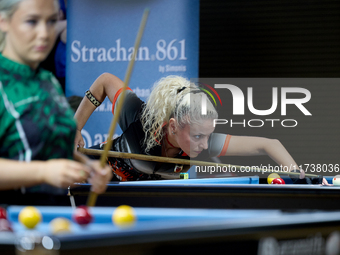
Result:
x=99 y=176
x=78 y=140
x=325 y=182
x=302 y=174
x=63 y=173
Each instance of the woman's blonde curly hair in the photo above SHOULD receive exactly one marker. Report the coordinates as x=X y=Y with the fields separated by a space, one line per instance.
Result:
x=172 y=97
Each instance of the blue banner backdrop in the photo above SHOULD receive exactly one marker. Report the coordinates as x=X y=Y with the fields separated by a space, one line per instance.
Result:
x=101 y=37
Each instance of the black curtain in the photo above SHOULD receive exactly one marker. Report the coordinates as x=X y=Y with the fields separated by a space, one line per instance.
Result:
x=255 y=38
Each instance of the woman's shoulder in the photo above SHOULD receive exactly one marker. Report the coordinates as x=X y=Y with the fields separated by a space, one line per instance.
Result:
x=217 y=143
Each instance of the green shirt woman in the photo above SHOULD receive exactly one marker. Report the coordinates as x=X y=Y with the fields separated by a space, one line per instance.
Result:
x=37 y=129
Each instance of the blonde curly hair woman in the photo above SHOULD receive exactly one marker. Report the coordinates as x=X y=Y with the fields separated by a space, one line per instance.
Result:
x=170 y=124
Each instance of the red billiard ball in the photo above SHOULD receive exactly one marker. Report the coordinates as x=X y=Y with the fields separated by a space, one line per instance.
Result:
x=3 y=213
x=82 y=215
x=278 y=181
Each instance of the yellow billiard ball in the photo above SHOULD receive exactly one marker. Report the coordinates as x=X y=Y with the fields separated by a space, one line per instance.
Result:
x=30 y=216
x=336 y=180
x=124 y=216
x=60 y=225
x=271 y=177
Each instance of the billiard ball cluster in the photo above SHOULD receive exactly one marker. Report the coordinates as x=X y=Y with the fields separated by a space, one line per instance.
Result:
x=123 y=216
x=275 y=179
x=30 y=217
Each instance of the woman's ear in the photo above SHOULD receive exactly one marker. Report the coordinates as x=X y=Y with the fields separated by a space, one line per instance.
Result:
x=173 y=126
x=3 y=24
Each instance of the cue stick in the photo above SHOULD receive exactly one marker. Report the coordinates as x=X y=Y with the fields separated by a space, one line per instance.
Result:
x=178 y=161
x=91 y=201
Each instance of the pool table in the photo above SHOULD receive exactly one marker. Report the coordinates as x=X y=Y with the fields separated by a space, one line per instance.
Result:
x=179 y=231
x=219 y=193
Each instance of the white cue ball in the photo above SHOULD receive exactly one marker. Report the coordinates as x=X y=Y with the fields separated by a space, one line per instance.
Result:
x=336 y=180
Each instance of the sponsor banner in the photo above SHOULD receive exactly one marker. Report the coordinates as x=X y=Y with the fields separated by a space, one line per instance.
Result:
x=314 y=243
x=300 y=112
x=101 y=37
